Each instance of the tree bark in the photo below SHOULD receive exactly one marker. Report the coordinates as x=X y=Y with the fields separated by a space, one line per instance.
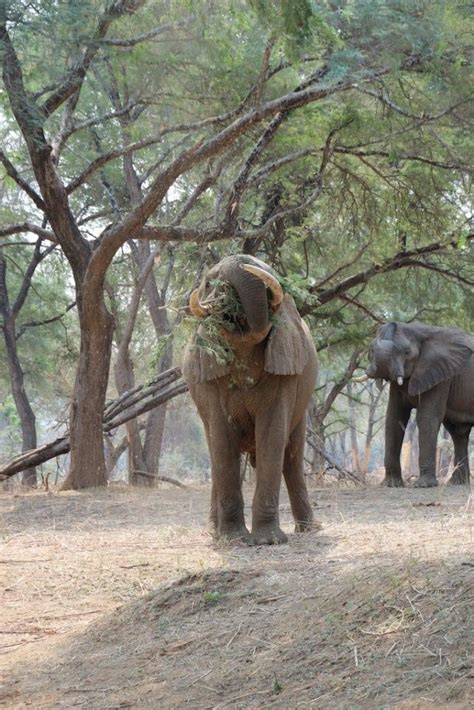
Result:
x=17 y=379
x=88 y=467
x=23 y=407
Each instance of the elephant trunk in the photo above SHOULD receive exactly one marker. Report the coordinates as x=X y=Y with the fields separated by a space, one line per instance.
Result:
x=253 y=297
x=385 y=364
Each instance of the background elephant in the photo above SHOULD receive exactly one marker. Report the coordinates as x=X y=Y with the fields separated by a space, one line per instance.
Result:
x=430 y=369
x=251 y=370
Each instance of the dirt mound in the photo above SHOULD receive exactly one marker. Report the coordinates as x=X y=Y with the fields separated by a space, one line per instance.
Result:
x=383 y=636
x=375 y=611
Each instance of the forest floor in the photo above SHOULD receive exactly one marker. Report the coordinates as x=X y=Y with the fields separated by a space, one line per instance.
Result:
x=119 y=598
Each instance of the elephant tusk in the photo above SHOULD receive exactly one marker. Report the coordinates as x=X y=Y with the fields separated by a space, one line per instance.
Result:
x=196 y=307
x=400 y=381
x=269 y=281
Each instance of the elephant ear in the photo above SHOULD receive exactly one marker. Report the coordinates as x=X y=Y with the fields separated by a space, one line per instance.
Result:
x=443 y=354
x=203 y=361
x=289 y=343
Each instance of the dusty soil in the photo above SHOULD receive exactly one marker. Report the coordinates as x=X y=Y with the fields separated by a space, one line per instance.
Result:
x=120 y=598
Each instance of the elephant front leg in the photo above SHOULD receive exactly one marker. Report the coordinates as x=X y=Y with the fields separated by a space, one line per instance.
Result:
x=293 y=471
x=428 y=418
x=271 y=440
x=227 y=504
x=396 y=420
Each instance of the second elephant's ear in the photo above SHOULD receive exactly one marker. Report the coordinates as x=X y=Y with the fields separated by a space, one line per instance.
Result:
x=442 y=355
x=289 y=343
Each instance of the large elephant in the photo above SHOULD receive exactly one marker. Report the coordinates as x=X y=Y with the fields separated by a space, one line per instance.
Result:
x=430 y=369
x=251 y=370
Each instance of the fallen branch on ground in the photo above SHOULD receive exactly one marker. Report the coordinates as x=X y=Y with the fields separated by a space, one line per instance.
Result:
x=131 y=404
x=344 y=473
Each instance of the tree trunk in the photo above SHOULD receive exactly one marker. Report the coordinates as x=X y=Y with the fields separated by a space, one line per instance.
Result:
x=353 y=430
x=23 y=407
x=125 y=381
x=17 y=380
x=155 y=426
x=88 y=467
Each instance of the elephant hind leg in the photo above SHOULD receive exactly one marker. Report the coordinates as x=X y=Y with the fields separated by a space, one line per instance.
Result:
x=293 y=471
x=460 y=436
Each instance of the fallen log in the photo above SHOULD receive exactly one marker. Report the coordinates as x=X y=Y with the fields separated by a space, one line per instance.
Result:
x=344 y=473
x=128 y=406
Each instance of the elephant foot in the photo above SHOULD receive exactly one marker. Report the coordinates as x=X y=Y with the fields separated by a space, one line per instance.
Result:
x=232 y=533
x=459 y=479
x=392 y=482
x=426 y=482
x=302 y=526
x=267 y=535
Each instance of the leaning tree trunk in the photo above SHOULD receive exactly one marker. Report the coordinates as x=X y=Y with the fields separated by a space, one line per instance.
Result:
x=88 y=467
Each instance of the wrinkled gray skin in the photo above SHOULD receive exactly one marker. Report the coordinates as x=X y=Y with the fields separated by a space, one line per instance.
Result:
x=256 y=404
x=435 y=367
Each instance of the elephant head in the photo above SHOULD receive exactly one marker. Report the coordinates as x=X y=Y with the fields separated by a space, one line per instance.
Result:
x=421 y=355
x=242 y=298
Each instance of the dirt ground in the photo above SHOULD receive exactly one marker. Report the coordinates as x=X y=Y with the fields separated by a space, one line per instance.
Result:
x=119 y=598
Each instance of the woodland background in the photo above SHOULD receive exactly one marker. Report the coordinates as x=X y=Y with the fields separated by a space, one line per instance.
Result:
x=142 y=141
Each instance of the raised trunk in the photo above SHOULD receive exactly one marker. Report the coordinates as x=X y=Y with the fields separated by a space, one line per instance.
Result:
x=88 y=467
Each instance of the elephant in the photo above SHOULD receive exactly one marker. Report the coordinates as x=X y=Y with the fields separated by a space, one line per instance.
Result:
x=430 y=369
x=251 y=369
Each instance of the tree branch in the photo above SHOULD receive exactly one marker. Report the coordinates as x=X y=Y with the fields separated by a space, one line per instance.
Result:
x=400 y=260
x=73 y=82
x=47 y=321
x=26 y=187
x=28 y=227
x=36 y=259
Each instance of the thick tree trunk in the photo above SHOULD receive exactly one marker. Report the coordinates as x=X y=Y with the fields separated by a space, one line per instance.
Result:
x=88 y=467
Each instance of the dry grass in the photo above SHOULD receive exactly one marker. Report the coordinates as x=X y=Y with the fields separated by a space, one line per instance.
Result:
x=121 y=599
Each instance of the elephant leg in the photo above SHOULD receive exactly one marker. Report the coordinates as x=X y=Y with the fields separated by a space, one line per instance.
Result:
x=270 y=436
x=396 y=420
x=227 y=504
x=429 y=416
x=293 y=472
x=460 y=436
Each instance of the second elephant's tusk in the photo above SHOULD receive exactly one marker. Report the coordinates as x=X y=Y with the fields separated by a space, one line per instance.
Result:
x=400 y=381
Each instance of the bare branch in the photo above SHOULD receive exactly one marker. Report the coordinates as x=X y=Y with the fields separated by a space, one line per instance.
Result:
x=25 y=186
x=402 y=156
x=73 y=82
x=36 y=259
x=26 y=227
x=47 y=321
x=423 y=117
x=145 y=37
x=400 y=260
